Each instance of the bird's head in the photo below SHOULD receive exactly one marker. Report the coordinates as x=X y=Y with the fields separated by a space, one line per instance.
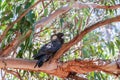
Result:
x=58 y=36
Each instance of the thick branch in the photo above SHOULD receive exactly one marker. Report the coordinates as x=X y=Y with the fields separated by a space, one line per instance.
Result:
x=63 y=70
x=78 y=38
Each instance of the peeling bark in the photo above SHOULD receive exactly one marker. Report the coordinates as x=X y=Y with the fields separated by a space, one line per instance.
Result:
x=62 y=69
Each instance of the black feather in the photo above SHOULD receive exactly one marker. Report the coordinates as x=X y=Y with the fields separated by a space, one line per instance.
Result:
x=48 y=50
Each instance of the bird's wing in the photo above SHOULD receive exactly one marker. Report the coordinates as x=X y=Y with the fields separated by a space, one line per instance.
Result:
x=38 y=56
x=46 y=49
x=52 y=47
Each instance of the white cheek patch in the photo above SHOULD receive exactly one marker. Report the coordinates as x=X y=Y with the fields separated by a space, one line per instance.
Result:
x=54 y=37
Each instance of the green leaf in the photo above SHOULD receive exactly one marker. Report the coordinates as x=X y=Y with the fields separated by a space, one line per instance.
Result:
x=117 y=44
x=18 y=9
x=30 y=17
x=61 y=22
x=110 y=46
x=27 y=5
x=113 y=48
x=45 y=12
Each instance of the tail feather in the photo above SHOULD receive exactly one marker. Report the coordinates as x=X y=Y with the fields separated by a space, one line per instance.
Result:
x=41 y=60
x=39 y=63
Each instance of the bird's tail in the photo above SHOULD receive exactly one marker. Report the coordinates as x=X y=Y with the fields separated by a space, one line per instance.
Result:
x=41 y=60
x=39 y=63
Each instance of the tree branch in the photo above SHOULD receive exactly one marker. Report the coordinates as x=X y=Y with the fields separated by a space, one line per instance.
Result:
x=15 y=73
x=63 y=69
x=79 y=37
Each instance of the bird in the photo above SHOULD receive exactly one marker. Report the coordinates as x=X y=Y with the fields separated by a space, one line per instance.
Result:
x=48 y=50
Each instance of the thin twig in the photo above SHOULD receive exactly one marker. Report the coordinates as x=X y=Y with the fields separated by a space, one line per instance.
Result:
x=15 y=73
x=44 y=7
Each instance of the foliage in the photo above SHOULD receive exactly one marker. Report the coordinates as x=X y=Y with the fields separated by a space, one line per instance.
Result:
x=101 y=43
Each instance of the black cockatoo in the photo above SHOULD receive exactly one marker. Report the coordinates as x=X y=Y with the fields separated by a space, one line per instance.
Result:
x=48 y=50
